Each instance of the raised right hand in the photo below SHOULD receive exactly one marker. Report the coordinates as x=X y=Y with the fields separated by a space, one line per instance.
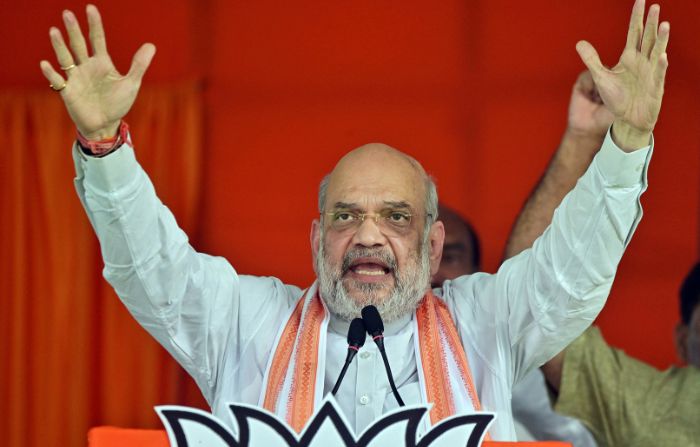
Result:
x=96 y=95
x=633 y=89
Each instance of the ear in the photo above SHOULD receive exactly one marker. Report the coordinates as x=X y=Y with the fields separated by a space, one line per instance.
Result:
x=315 y=240
x=436 y=239
x=681 y=339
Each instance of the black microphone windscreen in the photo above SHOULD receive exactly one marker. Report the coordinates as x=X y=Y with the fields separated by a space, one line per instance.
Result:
x=357 y=333
x=373 y=322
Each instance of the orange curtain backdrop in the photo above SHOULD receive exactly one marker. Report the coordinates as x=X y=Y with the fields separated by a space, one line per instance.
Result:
x=72 y=356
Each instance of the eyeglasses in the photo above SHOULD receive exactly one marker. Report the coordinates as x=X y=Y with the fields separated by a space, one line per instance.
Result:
x=390 y=221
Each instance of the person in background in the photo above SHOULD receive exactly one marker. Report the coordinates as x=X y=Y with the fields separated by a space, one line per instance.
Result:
x=461 y=252
x=623 y=401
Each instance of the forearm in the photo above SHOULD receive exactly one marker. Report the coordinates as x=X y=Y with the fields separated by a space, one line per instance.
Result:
x=568 y=164
x=152 y=267
x=136 y=232
x=556 y=289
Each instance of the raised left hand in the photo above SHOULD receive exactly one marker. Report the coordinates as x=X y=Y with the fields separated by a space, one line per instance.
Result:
x=632 y=90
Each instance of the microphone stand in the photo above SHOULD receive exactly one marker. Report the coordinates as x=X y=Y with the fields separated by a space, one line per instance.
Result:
x=375 y=327
x=379 y=340
x=356 y=338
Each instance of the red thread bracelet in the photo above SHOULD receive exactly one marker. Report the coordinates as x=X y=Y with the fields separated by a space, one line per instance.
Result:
x=103 y=147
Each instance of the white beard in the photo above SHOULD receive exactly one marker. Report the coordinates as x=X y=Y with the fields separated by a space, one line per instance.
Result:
x=409 y=287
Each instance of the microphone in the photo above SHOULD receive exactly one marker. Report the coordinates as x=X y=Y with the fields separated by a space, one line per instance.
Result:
x=375 y=327
x=356 y=338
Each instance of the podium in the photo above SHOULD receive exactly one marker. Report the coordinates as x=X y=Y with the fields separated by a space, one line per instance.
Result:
x=127 y=437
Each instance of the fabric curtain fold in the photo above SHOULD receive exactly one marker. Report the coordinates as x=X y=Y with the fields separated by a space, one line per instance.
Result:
x=72 y=356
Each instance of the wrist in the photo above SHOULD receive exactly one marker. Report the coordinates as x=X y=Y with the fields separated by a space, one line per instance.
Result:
x=585 y=135
x=107 y=132
x=577 y=149
x=629 y=138
x=103 y=146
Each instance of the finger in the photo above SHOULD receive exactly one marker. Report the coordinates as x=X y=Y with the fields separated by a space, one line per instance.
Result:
x=142 y=59
x=65 y=58
x=596 y=97
x=51 y=75
x=590 y=57
x=585 y=82
x=585 y=85
x=97 y=32
x=77 y=41
x=661 y=41
x=634 y=34
x=649 y=38
x=660 y=71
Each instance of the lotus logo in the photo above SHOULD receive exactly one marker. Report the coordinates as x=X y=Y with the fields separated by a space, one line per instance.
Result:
x=189 y=427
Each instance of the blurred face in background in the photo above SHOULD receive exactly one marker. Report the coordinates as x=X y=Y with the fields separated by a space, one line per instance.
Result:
x=688 y=339
x=458 y=249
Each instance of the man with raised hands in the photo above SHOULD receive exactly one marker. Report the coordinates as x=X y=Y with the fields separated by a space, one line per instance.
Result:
x=376 y=241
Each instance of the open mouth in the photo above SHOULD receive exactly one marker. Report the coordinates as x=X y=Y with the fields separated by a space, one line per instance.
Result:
x=369 y=267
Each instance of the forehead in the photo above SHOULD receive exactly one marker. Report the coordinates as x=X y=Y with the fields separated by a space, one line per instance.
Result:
x=372 y=177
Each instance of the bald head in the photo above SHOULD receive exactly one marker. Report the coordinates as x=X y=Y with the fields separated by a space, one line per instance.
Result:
x=381 y=153
x=382 y=169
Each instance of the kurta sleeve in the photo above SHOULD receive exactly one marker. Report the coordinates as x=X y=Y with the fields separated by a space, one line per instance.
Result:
x=543 y=298
x=194 y=304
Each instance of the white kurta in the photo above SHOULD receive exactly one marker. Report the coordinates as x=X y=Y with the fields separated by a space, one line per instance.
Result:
x=221 y=325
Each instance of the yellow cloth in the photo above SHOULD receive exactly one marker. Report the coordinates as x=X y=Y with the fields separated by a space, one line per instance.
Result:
x=626 y=402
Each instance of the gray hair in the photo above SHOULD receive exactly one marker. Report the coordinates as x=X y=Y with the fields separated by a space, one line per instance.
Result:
x=431 y=200
x=322 y=192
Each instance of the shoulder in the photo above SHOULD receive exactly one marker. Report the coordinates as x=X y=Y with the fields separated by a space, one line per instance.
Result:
x=265 y=296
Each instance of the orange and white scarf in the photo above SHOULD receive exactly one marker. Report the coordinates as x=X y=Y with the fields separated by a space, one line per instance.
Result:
x=295 y=375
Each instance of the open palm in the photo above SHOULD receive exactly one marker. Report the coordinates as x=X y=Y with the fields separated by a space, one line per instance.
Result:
x=96 y=95
x=632 y=90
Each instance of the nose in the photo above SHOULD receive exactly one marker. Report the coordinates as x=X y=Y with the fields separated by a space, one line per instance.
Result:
x=368 y=234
